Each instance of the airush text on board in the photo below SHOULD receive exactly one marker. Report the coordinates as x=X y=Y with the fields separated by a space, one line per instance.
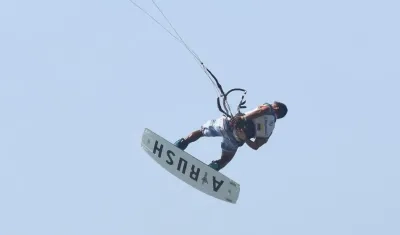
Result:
x=189 y=169
x=182 y=164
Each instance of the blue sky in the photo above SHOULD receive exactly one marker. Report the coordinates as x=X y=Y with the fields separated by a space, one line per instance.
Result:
x=80 y=80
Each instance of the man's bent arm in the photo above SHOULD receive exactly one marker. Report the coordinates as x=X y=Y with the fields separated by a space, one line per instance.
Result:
x=257 y=143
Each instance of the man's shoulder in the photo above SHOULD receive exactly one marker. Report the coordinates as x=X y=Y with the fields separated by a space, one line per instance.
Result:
x=266 y=104
x=267 y=107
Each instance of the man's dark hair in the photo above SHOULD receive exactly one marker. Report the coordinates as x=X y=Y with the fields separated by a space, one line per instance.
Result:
x=282 y=111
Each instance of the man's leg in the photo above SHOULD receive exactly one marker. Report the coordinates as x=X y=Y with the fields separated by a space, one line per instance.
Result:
x=192 y=137
x=211 y=128
x=226 y=157
x=229 y=149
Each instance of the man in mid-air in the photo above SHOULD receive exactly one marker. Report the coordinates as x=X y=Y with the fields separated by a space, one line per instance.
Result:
x=258 y=124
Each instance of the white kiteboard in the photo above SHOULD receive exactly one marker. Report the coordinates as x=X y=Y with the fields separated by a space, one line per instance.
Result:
x=189 y=169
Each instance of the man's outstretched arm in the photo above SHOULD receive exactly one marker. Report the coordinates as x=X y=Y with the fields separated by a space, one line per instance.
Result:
x=260 y=111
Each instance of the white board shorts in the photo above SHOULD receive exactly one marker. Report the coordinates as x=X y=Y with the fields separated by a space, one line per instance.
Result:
x=219 y=128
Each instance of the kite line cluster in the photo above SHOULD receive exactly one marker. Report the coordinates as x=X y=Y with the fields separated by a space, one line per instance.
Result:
x=224 y=108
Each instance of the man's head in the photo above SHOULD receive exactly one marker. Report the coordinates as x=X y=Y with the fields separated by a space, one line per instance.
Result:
x=280 y=109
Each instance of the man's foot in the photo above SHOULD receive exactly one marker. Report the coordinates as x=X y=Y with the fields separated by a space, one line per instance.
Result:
x=181 y=143
x=214 y=165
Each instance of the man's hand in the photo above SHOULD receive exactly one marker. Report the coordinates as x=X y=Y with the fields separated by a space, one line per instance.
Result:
x=238 y=122
x=241 y=134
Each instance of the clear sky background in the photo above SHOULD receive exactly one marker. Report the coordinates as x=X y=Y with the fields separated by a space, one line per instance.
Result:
x=80 y=80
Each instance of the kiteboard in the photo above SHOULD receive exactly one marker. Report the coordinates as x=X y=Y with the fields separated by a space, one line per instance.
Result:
x=189 y=169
